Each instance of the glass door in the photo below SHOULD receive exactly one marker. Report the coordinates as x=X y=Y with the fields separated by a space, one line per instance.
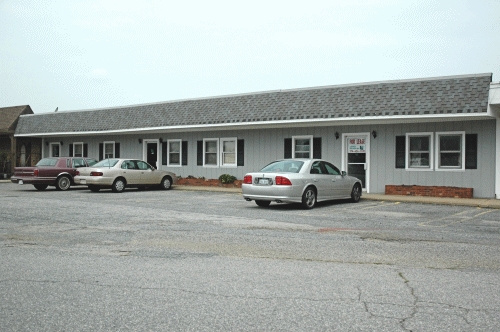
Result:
x=356 y=157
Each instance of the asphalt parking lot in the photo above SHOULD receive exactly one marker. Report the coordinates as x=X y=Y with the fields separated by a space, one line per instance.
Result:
x=189 y=260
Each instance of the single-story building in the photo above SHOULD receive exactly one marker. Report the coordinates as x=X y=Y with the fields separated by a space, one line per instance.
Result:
x=442 y=131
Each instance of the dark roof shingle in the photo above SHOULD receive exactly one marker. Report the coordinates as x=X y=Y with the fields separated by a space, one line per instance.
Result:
x=444 y=95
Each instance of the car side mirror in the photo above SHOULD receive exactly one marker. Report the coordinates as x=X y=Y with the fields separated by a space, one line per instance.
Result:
x=343 y=173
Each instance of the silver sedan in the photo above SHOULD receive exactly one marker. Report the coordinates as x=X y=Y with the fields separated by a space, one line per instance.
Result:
x=120 y=173
x=305 y=181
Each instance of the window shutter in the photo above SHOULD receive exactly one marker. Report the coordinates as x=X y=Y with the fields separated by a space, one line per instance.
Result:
x=71 y=150
x=117 y=150
x=199 y=153
x=85 y=150
x=288 y=148
x=101 y=151
x=241 y=153
x=317 y=147
x=400 y=151
x=471 y=151
x=164 y=153
x=184 y=153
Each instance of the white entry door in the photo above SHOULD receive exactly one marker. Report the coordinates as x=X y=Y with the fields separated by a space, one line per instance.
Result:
x=356 y=157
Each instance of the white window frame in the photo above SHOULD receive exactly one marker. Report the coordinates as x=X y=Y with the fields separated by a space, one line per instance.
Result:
x=229 y=139
x=310 y=138
x=438 y=151
x=104 y=149
x=204 y=152
x=74 y=149
x=51 y=149
x=169 y=163
x=431 y=152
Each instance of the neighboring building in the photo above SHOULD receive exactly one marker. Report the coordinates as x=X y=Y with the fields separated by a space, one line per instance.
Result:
x=23 y=151
x=434 y=131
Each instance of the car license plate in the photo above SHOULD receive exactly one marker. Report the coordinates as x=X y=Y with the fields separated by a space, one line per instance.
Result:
x=83 y=181
x=21 y=182
x=264 y=181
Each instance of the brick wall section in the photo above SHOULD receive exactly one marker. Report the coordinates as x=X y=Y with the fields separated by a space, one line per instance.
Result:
x=434 y=191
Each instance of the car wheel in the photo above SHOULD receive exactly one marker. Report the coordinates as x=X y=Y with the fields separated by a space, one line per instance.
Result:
x=40 y=186
x=94 y=189
x=309 y=198
x=263 y=203
x=63 y=183
x=118 y=186
x=166 y=183
x=356 y=193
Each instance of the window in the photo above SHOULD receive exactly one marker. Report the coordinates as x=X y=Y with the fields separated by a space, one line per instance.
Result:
x=174 y=152
x=55 y=149
x=449 y=150
x=228 y=151
x=77 y=150
x=419 y=151
x=211 y=152
x=332 y=170
x=78 y=162
x=109 y=150
x=302 y=146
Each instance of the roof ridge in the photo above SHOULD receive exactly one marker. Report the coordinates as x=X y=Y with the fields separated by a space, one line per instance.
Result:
x=323 y=87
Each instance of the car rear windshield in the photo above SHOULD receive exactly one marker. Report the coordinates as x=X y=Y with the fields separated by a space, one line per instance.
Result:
x=47 y=162
x=106 y=163
x=286 y=166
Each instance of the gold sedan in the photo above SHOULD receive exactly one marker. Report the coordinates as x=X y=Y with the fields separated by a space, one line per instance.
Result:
x=119 y=174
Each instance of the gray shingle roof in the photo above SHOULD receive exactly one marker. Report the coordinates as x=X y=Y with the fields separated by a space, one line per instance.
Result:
x=442 y=95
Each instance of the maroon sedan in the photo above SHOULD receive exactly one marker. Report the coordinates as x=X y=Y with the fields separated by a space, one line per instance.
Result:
x=58 y=172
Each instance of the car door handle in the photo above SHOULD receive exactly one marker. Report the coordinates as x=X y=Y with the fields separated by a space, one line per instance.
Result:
x=315 y=180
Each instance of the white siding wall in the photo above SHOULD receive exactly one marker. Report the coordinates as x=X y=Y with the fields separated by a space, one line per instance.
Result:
x=265 y=145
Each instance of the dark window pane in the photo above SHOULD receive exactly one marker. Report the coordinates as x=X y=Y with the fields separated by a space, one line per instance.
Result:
x=450 y=143
x=419 y=143
x=451 y=160
x=356 y=157
x=357 y=171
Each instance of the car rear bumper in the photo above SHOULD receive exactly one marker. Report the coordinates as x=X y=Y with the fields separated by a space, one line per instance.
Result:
x=288 y=194
x=93 y=181
x=32 y=180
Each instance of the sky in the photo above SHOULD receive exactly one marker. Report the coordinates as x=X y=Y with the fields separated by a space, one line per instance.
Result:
x=77 y=55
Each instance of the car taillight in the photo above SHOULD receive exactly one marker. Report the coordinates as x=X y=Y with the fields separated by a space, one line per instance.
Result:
x=77 y=172
x=95 y=173
x=247 y=179
x=282 y=181
x=35 y=172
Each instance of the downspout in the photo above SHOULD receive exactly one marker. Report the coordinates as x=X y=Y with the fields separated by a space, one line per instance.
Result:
x=494 y=109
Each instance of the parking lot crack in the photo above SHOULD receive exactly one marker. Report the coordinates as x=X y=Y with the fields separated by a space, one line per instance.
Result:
x=414 y=301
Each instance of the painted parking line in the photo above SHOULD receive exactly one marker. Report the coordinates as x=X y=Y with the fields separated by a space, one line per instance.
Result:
x=456 y=218
x=381 y=204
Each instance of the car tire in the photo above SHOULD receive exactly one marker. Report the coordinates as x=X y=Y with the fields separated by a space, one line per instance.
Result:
x=309 y=198
x=94 y=189
x=166 y=183
x=356 y=193
x=40 y=186
x=263 y=203
x=63 y=183
x=118 y=185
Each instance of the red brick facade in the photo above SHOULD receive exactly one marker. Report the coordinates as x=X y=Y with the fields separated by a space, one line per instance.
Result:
x=434 y=191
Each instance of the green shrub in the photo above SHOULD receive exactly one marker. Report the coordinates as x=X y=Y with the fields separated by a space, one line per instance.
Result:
x=227 y=178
